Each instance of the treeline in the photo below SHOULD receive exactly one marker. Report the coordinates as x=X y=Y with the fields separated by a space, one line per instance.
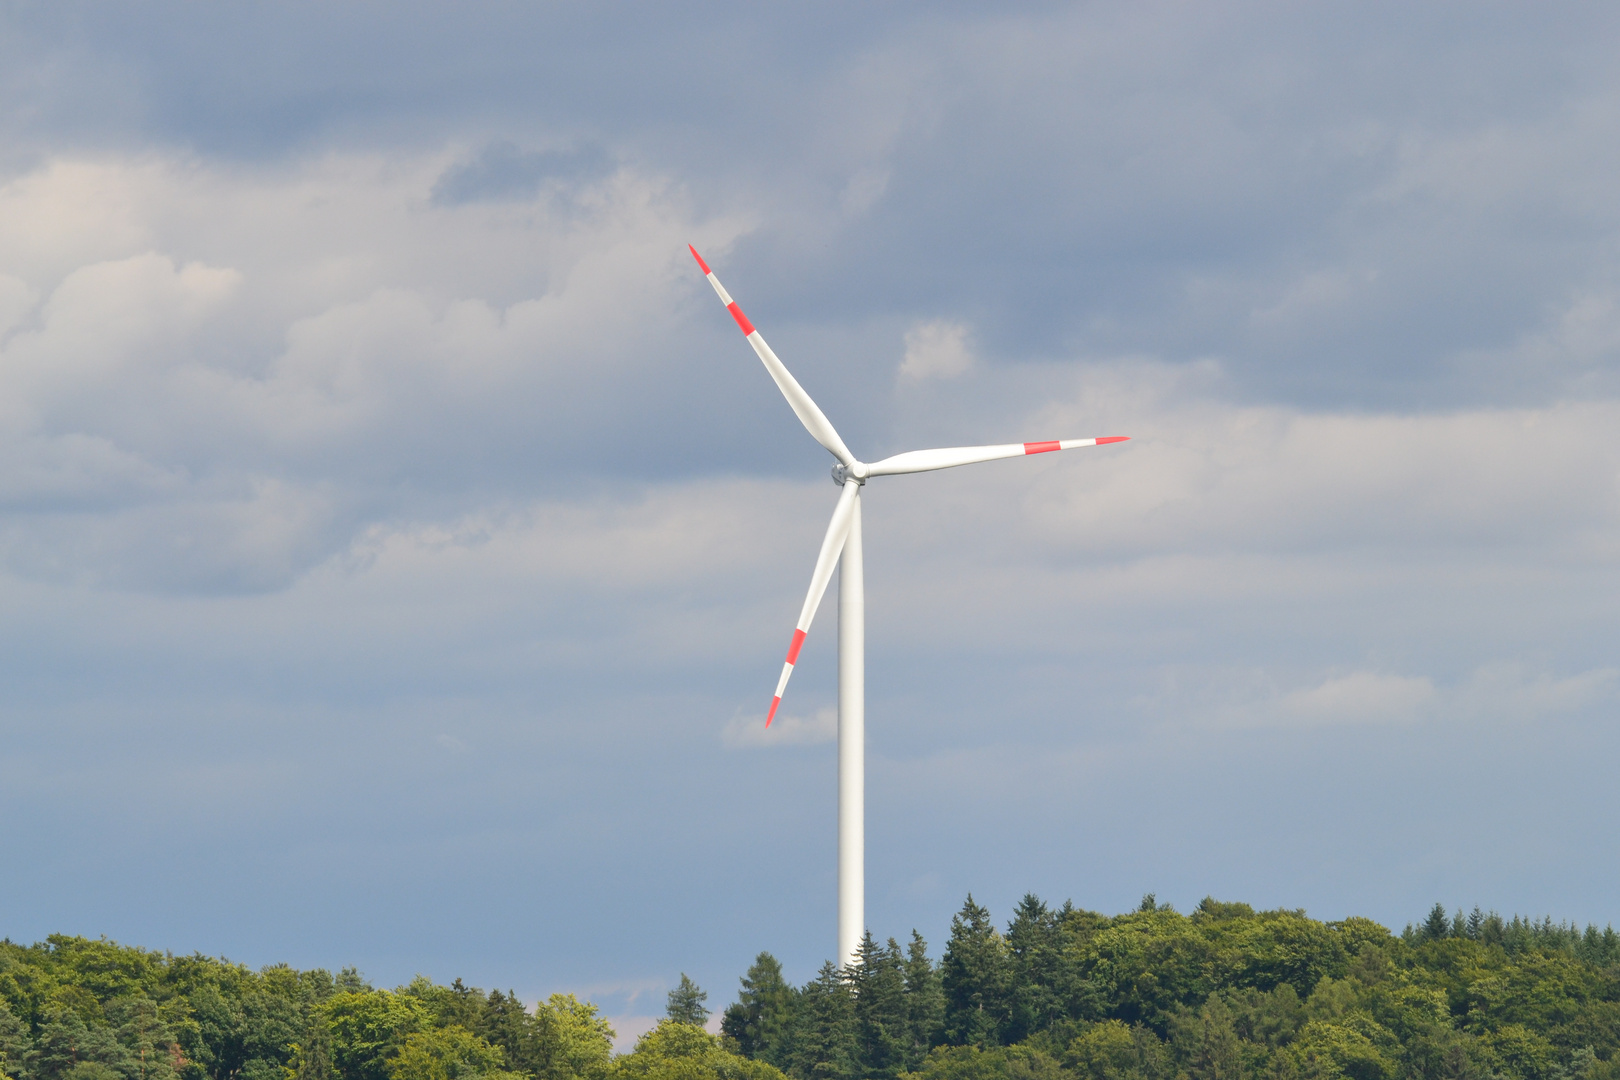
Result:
x=76 y=1009
x=1225 y=993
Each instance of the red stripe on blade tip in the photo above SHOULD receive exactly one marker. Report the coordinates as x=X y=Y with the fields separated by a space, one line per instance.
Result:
x=793 y=649
x=699 y=258
x=775 y=701
x=1113 y=438
x=742 y=320
x=1041 y=447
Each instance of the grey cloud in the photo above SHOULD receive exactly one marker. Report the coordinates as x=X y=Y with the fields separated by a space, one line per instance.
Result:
x=503 y=171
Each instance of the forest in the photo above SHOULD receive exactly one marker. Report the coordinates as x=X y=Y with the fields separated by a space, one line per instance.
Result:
x=1222 y=993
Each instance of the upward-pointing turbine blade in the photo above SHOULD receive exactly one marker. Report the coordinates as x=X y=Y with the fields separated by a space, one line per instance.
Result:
x=927 y=460
x=832 y=545
x=813 y=419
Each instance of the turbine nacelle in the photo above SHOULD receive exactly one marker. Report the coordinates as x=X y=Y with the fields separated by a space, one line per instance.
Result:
x=843 y=474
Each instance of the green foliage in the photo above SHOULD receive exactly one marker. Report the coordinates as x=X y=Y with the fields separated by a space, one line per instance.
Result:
x=13 y=1044
x=75 y=1009
x=677 y=1051
x=368 y=1028
x=1112 y=1050
x=576 y=1040
x=760 y=1021
x=826 y=1041
x=995 y=1063
x=877 y=982
x=448 y=1053
x=1223 y=993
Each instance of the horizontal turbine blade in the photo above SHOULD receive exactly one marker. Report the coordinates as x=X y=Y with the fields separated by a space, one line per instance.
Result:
x=832 y=545
x=813 y=419
x=928 y=460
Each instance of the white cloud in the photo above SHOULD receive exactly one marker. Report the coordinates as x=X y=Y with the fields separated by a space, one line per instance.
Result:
x=788 y=729
x=1504 y=692
x=1360 y=697
x=1357 y=697
x=190 y=342
x=936 y=350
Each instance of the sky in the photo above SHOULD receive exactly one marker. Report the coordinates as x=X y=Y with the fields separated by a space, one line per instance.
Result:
x=398 y=545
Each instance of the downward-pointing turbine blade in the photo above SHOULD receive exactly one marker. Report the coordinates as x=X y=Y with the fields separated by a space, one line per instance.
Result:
x=811 y=416
x=948 y=457
x=832 y=545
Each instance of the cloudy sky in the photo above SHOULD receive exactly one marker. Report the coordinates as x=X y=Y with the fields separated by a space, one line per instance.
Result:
x=398 y=544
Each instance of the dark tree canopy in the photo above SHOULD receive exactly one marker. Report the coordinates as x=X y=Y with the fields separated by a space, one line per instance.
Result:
x=1224 y=993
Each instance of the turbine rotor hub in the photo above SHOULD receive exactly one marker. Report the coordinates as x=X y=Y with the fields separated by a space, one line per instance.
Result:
x=842 y=474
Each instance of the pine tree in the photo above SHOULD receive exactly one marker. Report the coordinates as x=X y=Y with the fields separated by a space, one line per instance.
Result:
x=762 y=1017
x=974 y=976
x=925 y=1002
x=825 y=1042
x=686 y=1003
x=1437 y=925
x=878 y=982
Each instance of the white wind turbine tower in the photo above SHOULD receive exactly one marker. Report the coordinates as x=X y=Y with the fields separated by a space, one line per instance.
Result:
x=844 y=539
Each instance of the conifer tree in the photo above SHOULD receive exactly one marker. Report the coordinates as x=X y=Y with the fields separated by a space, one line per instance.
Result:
x=686 y=1003
x=825 y=1045
x=66 y=1045
x=505 y=1022
x=1437 y=925
x=1036 y=951
x=974 y=975
x=878 y=983
x=925 y=1001
x=13 y=1043
x=761 y=1019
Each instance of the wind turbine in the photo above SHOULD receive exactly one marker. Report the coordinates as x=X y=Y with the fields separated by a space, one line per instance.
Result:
x=843 y=541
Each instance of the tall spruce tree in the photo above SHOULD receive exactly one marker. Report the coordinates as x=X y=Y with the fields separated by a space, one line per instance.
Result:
x=975 y=975
x=686 y=1003
x=925 y=1001
x=825 y=1043
x=1035 y=948
x=878 y=982
x=761 y=1019
x=505 y=1022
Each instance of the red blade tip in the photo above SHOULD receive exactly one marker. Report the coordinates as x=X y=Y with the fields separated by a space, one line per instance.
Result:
x=1113 y=438
x=775 y=701
x=699 y=258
